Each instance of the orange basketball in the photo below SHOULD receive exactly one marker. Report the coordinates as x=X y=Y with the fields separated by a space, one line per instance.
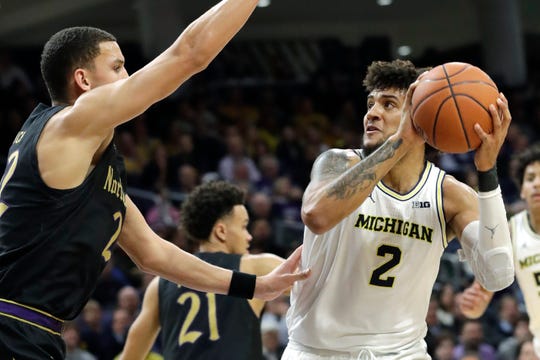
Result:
x=448 y=101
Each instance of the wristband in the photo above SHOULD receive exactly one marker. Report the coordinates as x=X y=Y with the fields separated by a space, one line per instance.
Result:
x=487 y=180
x=242 y=285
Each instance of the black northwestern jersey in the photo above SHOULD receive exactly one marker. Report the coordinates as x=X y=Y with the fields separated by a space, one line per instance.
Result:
x=55 y=243
x=198 y=325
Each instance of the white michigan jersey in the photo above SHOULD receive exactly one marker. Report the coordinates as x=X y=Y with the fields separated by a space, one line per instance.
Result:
x=527 y=262
x=373 y=273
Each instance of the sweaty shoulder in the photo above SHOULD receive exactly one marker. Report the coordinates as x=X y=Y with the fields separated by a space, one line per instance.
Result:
x=334 y=162
x=460 y=204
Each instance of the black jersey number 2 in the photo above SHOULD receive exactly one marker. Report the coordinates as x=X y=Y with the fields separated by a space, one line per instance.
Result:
x=12 y=164
x=377 y=278
x=106 y=253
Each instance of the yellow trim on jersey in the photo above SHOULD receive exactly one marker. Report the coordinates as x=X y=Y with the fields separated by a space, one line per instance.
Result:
x=31 y=308
x=30 y=323
x=440 y=207
x=414 y=191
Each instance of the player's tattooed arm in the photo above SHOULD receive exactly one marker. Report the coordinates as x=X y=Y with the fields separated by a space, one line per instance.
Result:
x=357 y=176
x=341 y=181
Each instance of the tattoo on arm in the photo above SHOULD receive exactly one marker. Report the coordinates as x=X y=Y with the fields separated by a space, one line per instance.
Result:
x=362 y=175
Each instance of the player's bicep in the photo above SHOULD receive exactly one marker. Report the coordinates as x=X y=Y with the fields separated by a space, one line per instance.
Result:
x=329 y=164
x=326 y=168
x=460 y=206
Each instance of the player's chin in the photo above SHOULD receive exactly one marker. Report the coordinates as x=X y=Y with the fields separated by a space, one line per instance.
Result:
x=372 y=143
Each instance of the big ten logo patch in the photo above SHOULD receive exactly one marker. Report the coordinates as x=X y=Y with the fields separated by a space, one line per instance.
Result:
x=421 y=204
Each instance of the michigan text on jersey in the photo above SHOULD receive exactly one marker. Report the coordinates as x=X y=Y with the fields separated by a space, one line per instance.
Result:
x=394 y=226
x=529 y=260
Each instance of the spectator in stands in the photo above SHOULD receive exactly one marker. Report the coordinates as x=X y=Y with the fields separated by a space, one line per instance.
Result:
x=471 y=339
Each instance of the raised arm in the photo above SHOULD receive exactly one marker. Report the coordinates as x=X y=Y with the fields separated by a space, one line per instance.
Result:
x=192 y=52
x=479 y=220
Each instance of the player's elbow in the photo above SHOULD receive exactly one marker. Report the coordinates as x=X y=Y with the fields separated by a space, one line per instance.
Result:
x=148 y=263
x=501 y=275
x=315 y=221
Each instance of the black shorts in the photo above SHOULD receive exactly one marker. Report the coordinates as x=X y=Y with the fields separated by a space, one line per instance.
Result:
x=24 y=340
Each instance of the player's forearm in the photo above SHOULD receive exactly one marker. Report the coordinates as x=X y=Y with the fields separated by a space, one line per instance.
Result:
x=208 y=35
x=486 y=243
x=183 y=268
x=325 y=206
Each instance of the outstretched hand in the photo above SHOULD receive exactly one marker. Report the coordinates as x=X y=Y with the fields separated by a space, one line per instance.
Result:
x=474 y=301
x=485 y=157
x=272 y=285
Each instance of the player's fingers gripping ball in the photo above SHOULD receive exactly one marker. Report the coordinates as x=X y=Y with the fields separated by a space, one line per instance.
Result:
x=448 y=101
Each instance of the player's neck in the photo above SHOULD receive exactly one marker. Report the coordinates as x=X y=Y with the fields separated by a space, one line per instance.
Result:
x=534 y=220
x=213 y=246
x=405 y=174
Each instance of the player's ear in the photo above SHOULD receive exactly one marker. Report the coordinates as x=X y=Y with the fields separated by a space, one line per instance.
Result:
x=81 y=79
x=220 y=231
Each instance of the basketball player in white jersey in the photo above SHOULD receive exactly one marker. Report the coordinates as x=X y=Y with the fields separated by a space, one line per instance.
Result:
x=377 y=222
x=525 y=233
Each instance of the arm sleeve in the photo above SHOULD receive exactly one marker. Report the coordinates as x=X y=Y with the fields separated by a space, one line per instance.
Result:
x=486 y=243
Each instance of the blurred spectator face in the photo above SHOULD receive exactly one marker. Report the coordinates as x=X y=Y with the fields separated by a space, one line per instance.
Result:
x=120 y=322
x=472 y=335
x=261 y=205
x=445 y=349
x=128 y=299
x=447 y=297
x=188 y=177
x=92 y=314
x=235 y=145
x=509 y=310
x=71 y=337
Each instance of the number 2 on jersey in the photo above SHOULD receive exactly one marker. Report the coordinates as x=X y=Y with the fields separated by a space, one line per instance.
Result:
x=376 y=277
x=106 y=253
x=187 y=336
x=12 y=164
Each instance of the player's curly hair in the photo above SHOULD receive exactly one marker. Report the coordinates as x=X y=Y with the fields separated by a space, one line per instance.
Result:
x=397 y=74
x=67 y=50
x=206 y=204
x=524 y=159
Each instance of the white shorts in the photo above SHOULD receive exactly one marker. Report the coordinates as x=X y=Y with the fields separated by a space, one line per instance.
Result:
x=298 y=352
x=536 y=345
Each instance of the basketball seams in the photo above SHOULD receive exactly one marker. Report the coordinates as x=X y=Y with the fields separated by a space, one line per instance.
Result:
x=434 y=128
x=462 y=123
x=428 y=96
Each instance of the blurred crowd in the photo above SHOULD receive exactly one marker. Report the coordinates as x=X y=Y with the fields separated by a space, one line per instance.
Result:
x=264 y=136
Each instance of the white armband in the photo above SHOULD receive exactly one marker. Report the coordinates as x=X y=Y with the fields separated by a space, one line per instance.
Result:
x=486 y=243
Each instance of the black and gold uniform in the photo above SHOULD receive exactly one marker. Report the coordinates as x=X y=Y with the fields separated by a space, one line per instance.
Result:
x=198 y=325
x=54 y=243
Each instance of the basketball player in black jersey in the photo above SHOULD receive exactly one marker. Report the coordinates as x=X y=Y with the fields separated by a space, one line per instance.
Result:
x=63 y=203
x=198 y=325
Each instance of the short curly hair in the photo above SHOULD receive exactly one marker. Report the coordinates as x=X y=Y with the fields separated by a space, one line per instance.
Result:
x=524 y=159
x=397 y=74
x=206 y=204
